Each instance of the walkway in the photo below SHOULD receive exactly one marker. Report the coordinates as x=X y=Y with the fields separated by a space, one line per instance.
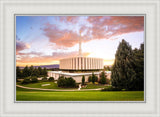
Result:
x=57 y=89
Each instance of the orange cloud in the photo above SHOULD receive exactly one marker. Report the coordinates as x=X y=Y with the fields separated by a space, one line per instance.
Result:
x=108 y=26
x=25 y=59
x=101 y=27
x=65 y=38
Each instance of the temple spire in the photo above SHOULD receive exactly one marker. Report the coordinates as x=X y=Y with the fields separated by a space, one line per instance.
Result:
x=80 y=49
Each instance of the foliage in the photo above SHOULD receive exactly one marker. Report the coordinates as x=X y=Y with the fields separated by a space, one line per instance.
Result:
x=51 y=79
x=44 y=79
x=108 y=81
x=70 y=82
x=110 y=88
x=126 y=67
x=26 y=80
x=139 y=67
x=102 y=78
x=30 y=71
x=83 y=80
x=26 y=72
x=40 y=71
x=61 y=82
x=44 y=72
x=34 y=79
x=35 y=72
x=66 y=82
x=18 y=73
x=96 y=78
x=90 y=79
x=93 y=78
x=107 y=68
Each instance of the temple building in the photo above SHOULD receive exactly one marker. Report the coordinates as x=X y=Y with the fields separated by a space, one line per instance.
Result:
x=79 y=66
x=81 y=63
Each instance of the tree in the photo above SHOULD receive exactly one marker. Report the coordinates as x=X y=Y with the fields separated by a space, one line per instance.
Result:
x=40 y=71
x=96 y=78
x=123 y=74
x=44 y=72
x=44 y=79
x=90 y=79
x=26 y=72
x=31 y=69
x=93 y=78
x=26 y=80
x=36 y=72
x=51 y=79
x=66 y=82
x=107 y=68
x=61 y=82
x=102 y=78
x=139 y=67
x=34 y=79
x=83 y=80
x=18 y=72
x=70 y=82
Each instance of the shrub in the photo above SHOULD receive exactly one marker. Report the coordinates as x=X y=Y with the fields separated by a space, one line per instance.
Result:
x=93 y=78
x=70 y=82
x=34 y=79
x=90 y=79
x=83 y=80
x=96 y=78
x=26 y=81
x=108 y=81
x=110 y=88
x=51 y=79
x=103 y=78
x=61 y=82
x=66 y=82
x=44 y=79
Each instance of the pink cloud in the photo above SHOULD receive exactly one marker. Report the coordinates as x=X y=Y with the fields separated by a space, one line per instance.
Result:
x=21 y=46
x=116 y=24
x=102 y=27
x=65 y=38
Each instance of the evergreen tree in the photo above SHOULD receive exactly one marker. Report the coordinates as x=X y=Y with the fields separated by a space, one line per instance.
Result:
x=90 y=79
x=44 y=72
x=35 y=72
x=18 y=72
x=93 y=78
x=139 y=67
x=83 y=80
x=40 y=71
x=26 y=72
x=31 y=69
x=123 y=74
x=102 y=78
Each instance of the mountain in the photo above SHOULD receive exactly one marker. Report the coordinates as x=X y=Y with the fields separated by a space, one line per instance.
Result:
x=46 y=66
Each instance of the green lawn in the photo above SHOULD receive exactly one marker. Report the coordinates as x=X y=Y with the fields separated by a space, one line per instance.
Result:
x=94 y=86
x=39 y=85
x=33 y=95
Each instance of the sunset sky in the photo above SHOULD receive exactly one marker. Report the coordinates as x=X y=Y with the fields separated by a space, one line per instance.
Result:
x=44 y=40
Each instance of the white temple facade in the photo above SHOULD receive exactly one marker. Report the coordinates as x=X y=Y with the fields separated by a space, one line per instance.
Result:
x=81 y=63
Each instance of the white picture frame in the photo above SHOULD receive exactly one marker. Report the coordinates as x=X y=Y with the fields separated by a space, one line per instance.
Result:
x=150 y=8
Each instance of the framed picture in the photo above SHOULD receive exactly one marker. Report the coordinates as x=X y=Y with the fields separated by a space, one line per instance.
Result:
x=80 y=58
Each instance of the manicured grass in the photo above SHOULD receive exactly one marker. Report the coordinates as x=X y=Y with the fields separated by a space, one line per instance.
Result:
x=94 y=86
x=33 y=95
x=39 y=85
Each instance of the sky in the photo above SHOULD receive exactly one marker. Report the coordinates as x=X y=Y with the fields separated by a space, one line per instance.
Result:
x=44 y=40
